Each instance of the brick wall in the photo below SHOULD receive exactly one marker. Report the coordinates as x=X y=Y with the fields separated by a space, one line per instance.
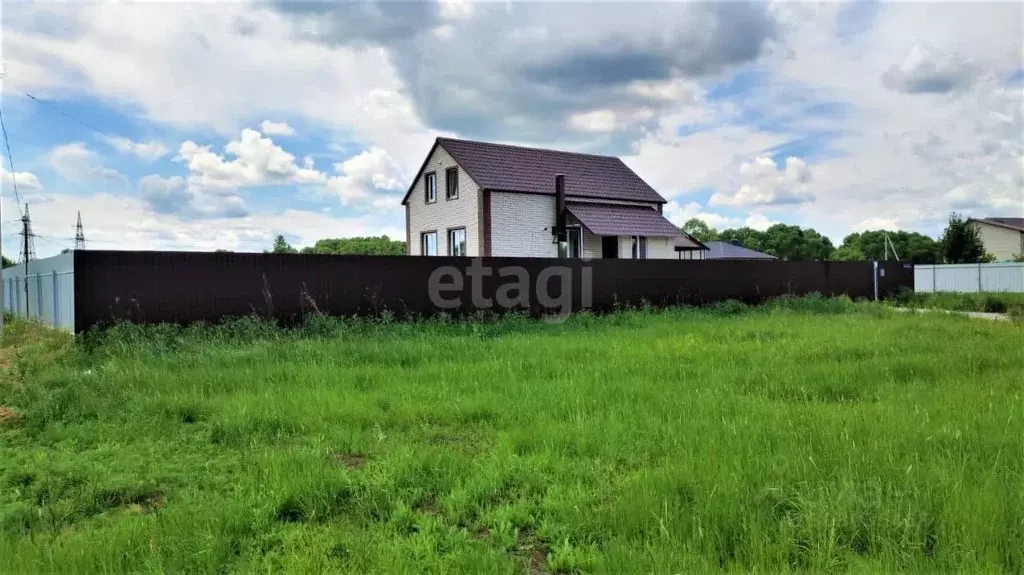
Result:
x=444 y=214
x=521 y=225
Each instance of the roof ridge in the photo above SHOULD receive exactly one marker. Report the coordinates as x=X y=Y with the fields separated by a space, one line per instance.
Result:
x=529 y=148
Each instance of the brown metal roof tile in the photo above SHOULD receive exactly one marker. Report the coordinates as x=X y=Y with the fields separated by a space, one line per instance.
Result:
x=622 y=220
x=533 y=170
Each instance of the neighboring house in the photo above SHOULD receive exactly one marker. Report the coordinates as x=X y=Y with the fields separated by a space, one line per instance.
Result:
x=1003 y=237
x=482 y=199
x=733 y=251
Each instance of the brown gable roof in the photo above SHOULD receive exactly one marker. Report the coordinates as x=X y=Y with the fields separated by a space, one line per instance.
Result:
x=501 y=167
x=622 y=220
x=1012 y=223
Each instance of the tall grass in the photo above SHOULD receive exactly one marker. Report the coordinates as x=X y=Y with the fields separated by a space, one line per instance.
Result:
x=811 y=434
x=991 y=302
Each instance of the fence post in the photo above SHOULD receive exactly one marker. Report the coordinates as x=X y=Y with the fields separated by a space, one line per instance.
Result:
x=935 y=286
x=56 y=300
x=979 y=277
x=874 y=267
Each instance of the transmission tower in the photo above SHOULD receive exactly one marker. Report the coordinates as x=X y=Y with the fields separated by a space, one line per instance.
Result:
x=28 y=252
x=28 y=244
x=79 y=234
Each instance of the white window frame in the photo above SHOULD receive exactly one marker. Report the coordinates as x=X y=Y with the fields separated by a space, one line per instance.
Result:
x=425 y=245
x=430 y=183
x=641 y=243
x=452 y=243
x=449 y=192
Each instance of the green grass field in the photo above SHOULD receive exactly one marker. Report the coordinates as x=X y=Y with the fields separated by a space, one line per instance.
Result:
x=806 y=436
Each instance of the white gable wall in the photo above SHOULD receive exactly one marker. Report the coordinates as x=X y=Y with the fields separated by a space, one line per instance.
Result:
x=444 y=214
x=521 y=225
x=1001 y=242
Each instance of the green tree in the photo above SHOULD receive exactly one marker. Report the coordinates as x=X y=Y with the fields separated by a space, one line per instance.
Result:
x=700 y=229
x=870 y=245
x=783 y=241
x=961 y=242
x=282 y=247
x=848 y=253
x=7 y=262
x=367 y=246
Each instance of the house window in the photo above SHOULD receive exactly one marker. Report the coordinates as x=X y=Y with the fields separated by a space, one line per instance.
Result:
x=457 y=242
x=430 y=182
x=639 y=247
x=451 y=176
x=428 y=244
x=575 y=242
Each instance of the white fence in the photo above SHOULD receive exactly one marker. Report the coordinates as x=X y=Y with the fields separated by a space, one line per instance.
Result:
x=970 y=278
x=50 y=294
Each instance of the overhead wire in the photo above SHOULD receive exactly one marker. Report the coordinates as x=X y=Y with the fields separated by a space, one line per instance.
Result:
x=10 y=160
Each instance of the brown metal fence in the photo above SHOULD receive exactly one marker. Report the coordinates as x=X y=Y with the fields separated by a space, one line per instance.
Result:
x=183 y=287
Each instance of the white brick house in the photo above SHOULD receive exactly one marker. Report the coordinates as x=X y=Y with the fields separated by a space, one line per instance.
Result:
x=482 y=199
x=1002 y=237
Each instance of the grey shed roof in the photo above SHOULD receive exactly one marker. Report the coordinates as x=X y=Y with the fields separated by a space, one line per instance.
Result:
x=728 y=251
x=533 y=170
x=622 y=220
x=1012 y=223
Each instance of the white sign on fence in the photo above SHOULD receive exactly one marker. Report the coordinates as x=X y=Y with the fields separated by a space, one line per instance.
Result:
x=970 y=278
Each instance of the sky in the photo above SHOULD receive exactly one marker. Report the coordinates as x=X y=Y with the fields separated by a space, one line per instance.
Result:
x=176 y=125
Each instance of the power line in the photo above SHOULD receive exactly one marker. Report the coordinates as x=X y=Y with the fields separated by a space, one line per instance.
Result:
x=10 y=160
x=58 y=244
x=61 y=112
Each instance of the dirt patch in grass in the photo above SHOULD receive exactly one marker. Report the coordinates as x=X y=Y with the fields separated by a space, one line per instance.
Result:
x=533 y=552
x=429 y=505
x=148 y=505
x=9 y=417
x=349 y=460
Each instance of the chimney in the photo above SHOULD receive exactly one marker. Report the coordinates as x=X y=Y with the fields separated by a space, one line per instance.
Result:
x=559 y=229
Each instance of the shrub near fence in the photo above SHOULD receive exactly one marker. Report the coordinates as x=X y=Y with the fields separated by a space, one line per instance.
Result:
x=183 y=287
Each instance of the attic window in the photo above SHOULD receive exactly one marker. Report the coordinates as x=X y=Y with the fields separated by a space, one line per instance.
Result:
x=452 y=184
x=431 y=187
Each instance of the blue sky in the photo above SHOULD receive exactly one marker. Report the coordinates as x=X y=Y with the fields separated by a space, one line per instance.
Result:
x=219 y=126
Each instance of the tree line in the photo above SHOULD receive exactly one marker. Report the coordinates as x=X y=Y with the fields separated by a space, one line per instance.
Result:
x=364 y=246
x=960 y=242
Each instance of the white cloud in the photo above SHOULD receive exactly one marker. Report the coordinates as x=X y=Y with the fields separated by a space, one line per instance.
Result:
x=122 y=222
x=76 y=163
x=676 y=91
x=192 y=68
x=24 y=181
x=270 y=128
x=759 y=222
x=165 y=195
x=762 y=183
x=371 y=179
x=146 y=150
x=679 y=214
x=877 y=224
x=594 y=121
x=925 y=69
x=607 y=120
x=257 y=161
x=456 y=9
